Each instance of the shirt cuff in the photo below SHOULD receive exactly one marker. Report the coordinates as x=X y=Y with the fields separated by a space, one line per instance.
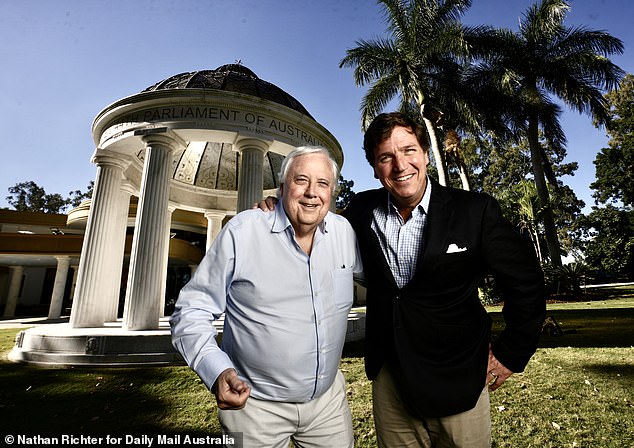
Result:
x=212 y=366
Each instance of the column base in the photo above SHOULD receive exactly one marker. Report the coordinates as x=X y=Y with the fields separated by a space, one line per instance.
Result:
x=60 y=345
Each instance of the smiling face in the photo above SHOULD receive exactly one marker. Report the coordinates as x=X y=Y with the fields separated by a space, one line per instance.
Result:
x=400 y=164
x=307 y=191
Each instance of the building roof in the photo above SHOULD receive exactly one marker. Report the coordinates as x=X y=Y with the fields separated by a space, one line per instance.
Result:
x=232 y=78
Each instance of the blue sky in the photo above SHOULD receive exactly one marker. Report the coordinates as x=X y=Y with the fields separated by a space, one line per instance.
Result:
x=63 y=61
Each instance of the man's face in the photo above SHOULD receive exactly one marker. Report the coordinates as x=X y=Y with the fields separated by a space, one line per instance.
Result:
x=400 y=164
x=307 y=191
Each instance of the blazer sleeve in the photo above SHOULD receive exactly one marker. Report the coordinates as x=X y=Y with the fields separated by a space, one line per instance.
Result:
x=519 y=277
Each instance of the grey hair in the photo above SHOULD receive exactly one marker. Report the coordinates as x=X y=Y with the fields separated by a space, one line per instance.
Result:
x=303 y=150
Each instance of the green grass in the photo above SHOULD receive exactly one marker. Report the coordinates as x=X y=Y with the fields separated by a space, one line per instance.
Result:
x=568 y=397
x=577 y=391
x=607 y=321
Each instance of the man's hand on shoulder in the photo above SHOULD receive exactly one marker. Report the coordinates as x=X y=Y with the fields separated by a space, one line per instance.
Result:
x=267 y=204
x=231 y=392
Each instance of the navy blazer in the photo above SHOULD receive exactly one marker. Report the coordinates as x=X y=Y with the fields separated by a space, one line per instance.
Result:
x=434 y=332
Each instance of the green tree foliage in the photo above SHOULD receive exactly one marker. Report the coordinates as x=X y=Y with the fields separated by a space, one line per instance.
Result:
x=544 y=60
x=610 y=246
x=566 y=280
x=615 y=164
x=77 y=196
x=345 y=193
x=505 y=172
x=610 y=229
x=29 y=196
x=476 y=78
x=420 y=62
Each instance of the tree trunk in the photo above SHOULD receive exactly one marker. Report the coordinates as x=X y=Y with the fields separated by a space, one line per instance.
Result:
x=433 y=138
x=550 y=231
x=537 y=245
x=464 y=176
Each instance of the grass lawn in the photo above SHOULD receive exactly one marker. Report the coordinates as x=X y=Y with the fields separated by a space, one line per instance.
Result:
x=577 y=391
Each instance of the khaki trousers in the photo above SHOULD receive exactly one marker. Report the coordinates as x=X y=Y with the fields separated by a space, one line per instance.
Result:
x=395 y=427
x=324 y=422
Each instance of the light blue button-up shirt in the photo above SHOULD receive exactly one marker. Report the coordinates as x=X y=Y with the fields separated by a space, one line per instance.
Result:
x=401 y=242
x=285 y=312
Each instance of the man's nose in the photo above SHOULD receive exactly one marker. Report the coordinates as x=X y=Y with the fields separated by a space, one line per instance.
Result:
x=310 y=190
x=399 y=163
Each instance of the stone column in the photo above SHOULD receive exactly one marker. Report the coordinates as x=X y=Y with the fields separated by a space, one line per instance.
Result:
x=214 y=224
x=118 y=250
x=251 y=179
x=168 y=236
x=73 y=283
x=57 y=298
x=15 y=281
x=96 y=266
x=144 y=296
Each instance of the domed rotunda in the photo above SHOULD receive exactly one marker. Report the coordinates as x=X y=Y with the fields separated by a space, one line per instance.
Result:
x=185 y=154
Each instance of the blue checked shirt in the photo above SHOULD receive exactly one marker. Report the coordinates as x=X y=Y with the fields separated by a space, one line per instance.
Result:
x=401 y=242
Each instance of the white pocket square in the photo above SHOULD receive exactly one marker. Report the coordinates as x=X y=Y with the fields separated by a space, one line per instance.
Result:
x=453 y=248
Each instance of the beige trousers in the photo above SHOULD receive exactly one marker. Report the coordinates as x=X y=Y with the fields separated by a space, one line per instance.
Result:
x=395 y=427
x=324 y=422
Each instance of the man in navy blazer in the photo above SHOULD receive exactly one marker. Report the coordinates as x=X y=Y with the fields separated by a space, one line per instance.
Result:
x=425 y=249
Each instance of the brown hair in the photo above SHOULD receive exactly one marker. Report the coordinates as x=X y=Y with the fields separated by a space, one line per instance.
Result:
x=381 y=128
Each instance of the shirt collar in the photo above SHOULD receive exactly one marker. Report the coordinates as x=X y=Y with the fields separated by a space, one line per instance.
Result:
x=422 y=206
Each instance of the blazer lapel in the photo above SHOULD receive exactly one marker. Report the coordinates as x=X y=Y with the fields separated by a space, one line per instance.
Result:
x=439 y=213
x=373 y=240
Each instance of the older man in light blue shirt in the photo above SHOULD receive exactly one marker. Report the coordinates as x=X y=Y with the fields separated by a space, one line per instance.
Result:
x=285 y=283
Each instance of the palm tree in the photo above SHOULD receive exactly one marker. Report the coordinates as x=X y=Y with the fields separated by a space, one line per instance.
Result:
x=530 y=214
x=420 y=61
x=545 y=60
x=453 y=149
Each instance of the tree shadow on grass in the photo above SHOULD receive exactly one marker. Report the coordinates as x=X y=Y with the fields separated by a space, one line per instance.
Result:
x=41 y=401
x=613 y=327
x=621 y=370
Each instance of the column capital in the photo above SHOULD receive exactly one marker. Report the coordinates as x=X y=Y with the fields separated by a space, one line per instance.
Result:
x=101 y=158
x=168 y=138
x=243 y=143
x=214 y=224
x=128 y=188
x=218 y=214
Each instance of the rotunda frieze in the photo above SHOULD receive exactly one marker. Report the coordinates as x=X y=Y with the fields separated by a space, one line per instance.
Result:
x=211 y=111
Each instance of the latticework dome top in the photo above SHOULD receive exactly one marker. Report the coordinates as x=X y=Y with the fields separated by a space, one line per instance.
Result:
x=231 y=78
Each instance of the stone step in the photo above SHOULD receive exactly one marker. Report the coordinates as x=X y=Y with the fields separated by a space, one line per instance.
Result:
x=112 y=346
